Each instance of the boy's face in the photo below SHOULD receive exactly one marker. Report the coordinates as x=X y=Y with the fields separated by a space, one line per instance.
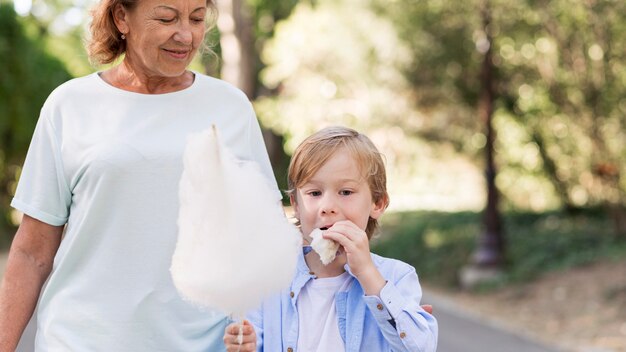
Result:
x=337 y=191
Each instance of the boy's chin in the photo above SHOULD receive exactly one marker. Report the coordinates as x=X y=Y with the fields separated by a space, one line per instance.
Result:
x=340 y=258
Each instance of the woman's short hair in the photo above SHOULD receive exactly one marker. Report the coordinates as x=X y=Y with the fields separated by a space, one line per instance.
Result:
x=105 y=44
x=316 y=149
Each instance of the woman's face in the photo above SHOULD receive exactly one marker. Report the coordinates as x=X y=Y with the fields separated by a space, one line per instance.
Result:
x=162 y=36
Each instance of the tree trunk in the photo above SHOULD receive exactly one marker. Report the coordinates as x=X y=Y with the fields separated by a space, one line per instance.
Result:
x=490 y=251
x=238 y=63
x=550 y=168
x=237 y=43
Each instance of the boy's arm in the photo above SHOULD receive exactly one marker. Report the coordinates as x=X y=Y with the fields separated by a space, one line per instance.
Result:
x=393 y=299
x=403 y=322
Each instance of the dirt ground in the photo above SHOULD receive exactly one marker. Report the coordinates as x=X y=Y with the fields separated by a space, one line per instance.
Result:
x=579 y=310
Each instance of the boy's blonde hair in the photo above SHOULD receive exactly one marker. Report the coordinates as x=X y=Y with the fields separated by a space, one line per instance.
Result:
x=316 y=149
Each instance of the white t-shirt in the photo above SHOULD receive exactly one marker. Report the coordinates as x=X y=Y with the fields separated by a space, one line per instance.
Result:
x=318 y=329
x=107 y=163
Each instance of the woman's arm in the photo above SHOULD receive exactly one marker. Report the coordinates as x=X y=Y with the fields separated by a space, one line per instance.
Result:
x=28 y=266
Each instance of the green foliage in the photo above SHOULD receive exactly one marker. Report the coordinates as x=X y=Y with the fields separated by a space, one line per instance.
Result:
x=342 y=63
x=560 y=72
x=29 y=75
x=333 y=63
x=550 y=241
x=436 y=244
x=440 y=244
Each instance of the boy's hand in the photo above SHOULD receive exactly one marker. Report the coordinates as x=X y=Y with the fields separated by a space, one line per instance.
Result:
x=357 y=248
x=249 y=338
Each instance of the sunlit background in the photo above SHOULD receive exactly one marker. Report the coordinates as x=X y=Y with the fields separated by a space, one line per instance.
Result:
x=412 y=75
x=406 y=73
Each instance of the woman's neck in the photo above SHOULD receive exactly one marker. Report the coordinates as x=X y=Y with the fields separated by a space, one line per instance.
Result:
x=125 y=77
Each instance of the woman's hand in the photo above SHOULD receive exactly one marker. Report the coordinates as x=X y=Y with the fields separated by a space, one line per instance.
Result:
x=248 y=343
x=357 y=248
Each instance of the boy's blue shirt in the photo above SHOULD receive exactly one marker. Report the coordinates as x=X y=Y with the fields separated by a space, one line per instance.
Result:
x=393 y=322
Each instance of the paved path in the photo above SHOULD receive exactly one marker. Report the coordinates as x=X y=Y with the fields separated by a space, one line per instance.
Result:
x=459 y=331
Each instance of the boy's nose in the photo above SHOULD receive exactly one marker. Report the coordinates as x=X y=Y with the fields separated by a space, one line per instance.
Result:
x=328 y=206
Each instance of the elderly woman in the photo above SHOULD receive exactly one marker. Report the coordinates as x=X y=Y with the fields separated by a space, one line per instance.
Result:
x=99 y=188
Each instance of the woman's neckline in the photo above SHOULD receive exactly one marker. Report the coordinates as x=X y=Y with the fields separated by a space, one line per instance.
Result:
x=131 y=92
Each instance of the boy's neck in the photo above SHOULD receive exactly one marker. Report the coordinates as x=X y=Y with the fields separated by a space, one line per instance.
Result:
x=320 y=270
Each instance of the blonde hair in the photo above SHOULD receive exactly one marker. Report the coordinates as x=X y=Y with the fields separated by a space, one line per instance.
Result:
x=106 y=45
x=316 y=149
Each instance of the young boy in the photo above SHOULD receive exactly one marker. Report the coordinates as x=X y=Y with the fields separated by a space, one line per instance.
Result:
x=360 y=301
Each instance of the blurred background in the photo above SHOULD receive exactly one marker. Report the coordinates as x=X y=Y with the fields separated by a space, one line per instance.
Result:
x=503 y=124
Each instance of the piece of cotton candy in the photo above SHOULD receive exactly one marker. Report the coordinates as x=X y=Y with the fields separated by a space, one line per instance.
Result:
x=235 y=246
x=327 y=249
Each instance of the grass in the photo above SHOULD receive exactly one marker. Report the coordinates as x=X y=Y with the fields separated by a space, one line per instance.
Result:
x=439 y=244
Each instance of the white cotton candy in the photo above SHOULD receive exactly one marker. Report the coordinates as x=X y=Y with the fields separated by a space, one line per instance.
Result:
x=235 y=246
x=327 y=249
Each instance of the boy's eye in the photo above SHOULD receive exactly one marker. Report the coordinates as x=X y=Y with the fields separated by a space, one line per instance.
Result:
x=345 y=192
x=315 y=193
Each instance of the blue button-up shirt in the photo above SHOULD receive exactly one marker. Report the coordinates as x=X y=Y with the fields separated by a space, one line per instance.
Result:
x=392 y=322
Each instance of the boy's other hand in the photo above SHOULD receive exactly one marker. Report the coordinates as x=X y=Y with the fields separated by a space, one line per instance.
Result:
x=249 y=337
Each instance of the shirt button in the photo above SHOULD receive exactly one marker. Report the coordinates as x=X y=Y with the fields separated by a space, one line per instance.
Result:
x=379 y=306
x=289 y=349
x=291 y=294
x=402 y=335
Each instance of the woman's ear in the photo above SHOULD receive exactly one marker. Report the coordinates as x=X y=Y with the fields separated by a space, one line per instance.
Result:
x=120 y=17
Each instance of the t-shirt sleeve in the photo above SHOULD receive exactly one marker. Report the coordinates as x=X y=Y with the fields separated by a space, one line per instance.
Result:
x=259 y=151
x=43 y=192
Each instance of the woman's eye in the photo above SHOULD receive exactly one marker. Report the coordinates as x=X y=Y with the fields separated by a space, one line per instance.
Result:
x=197 y=20
x=166 y=20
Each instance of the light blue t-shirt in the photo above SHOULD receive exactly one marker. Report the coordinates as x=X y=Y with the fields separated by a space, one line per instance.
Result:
x=107 y=163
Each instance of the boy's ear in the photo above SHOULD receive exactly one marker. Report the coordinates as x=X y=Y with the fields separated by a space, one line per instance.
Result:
x=294 y=205
x=379 y=208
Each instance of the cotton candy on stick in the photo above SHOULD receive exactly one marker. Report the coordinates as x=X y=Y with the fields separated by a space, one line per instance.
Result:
x=235 y=246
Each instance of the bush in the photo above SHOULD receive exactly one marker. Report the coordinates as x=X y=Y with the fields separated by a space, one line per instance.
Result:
x=440 y=244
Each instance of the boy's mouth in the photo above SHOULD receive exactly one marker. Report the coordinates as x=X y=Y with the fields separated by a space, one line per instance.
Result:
x=340 y=250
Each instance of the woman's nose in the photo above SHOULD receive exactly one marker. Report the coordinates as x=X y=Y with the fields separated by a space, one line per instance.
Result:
x=184 y=35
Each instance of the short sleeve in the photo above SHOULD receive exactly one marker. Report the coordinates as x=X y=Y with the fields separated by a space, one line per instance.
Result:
x=259 y=152
x=43 y=192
